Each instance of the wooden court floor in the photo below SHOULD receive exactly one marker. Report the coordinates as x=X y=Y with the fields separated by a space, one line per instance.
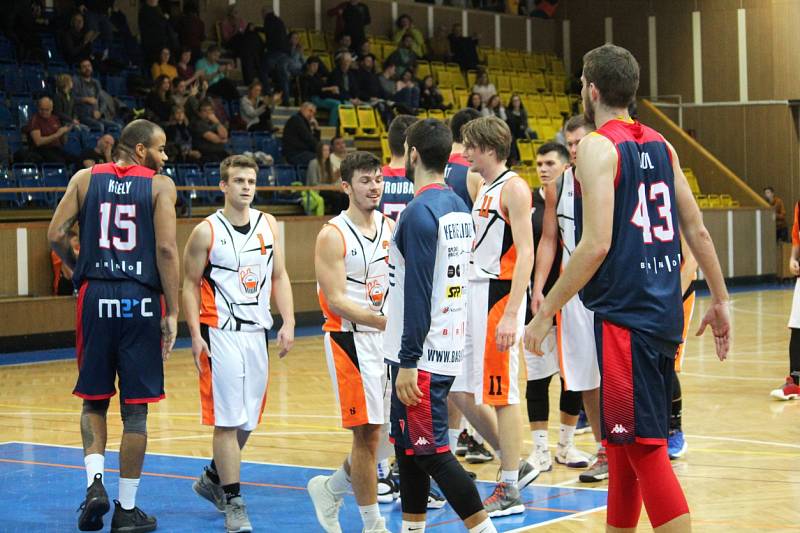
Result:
x=740 y=473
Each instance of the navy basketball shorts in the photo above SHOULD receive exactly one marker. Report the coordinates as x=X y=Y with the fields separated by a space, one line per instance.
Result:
x=421 y=429
x=118 y=334
x=636 y=384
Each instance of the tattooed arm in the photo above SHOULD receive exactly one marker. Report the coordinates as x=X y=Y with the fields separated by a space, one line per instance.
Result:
x=65 y=216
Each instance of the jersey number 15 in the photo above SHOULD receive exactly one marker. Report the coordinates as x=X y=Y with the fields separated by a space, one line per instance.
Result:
x=641 y=217
x=124 y=220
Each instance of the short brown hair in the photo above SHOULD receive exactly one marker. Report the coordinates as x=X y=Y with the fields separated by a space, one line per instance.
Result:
x=358 y=160
x=615 y=73
x=576 y=122
x=236 y=161
x=486 y=133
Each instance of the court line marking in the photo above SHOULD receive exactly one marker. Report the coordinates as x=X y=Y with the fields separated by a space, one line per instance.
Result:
x=737 y=378
x=748 y=441
x=260 y=433
x=559 y=519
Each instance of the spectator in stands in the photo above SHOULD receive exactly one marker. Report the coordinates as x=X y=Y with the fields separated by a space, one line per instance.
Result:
x=276 y=54
x=256 y=109
x=46 y=133
x=154 y=31
x=464 y=49
x=301 y=135
x=781 y=229
x=231 y=29
x=338 y=152
x=158 y=103
x=495 y=107
x=517 y=119
x=95 y=13
x=369 y=85
x=163 y=67
x=407 y=90
x=251 y=53
x=476 y=102
x=484 y=87
x=344 y=44
x=345 y=79
x=365 y=50
x=64 y=102
x=209 y=135
x=188 y=95
x=101 y=153
x=320 y=170
x=214 y=73
x=76 y=43
x=25 y=29
x=179 y=138
x=296 y=54
x=405 y=26
x=191 y=28
x=429 y=95
x=62 y=273
x=185 y=67
x=404 y=57
x=439 y=45
x=352 y=18
x=88 y=94
x=314 y=88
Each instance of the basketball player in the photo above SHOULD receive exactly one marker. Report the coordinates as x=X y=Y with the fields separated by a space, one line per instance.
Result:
x=791 y=388
x=397 y=190
x=425 y=333
x=353 y=274
x=128 y=259
x=232 y=263
x=500 y=271
x=552 y=160
x=457 y=174
x=635 y=204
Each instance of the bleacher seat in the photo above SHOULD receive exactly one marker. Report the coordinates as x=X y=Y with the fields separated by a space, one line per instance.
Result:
x=386 y=153
x=368 y=124
x=55 y=175
x=9 y=199
x=212 y=179
x=27 y=175
x=526 y=153
x=240 y=141
x=267 y=143
x=116 y=85
x=190 y=176
x=348 y=120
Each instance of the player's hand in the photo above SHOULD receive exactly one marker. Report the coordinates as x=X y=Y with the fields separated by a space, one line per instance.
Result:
x=719 y=319
x=794 y=267
x=505 y=335
x=285 y=339
x=406 y=386
x=535 y=333
x=537 y=299
x=169 y=330
x=199 y=347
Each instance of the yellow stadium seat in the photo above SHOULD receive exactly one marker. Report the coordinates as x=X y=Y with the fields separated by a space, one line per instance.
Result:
x=725 y=200
x=702 y=201
x=386 y=153
x=461 y=96
x=552 y=109
x=537 y=109
x=472 y=75
x=304 y=40
x=453 y=67
x=526 y=154
x=422 y=114
x=714 y=200
x=327 y=61
x=539 y=61
x=538 y=81
x=388 y=49
x=449 y=114
x=447 y=96
x=505 y=97
x=564 y=105
x=503 y=83
x=436 y=113
x=368 y=125
x=348 y=120
x=317 y=41
x=423 y=69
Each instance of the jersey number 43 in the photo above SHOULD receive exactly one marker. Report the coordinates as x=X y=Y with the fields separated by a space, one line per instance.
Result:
x=659 y=194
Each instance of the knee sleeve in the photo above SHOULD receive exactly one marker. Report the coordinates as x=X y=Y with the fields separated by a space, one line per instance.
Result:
x=624 y=496
x=570 y=401
x=538 y=399
x=98 y=407
x=454 y=482
x=414 y=484
x=134 y=418
x=661 y=491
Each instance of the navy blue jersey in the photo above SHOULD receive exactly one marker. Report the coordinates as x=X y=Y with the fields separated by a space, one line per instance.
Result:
x=455 y=175
x=639 y=283
x=118 y=241
x=397 y=192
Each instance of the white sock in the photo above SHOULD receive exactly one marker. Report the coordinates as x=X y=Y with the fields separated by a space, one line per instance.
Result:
x=413 y=527
x=509 y=477
x=383 y=468
x=339 y=482
x=370 y=514
x=452 y=437
x=484 y=527
x=127 y=492
x=540 y=439
x=95 y=464
x=566 y=435
x=463 y=424
x=478 y=437
x=498 y=455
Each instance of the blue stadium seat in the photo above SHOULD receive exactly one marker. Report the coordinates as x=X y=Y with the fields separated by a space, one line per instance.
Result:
x=116 y=85
x=14 y=82
x=264 y=178
x=55 y=175
x=14 y=138
x=27 y=175
x=23 y=107
x=6 y=118
x=240 y=141
x=211 y=174
x=267 y=143
x=6 y=181
x=188 y=176
x=301 y=173
x=285 y=175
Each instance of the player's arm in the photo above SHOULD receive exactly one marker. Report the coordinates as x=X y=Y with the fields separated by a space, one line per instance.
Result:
x=699 y=240
x=547 y=248
x=794 y=261
x=282 y=291
x=332 y=279
x=474 y=182
x=166 y=257
x=65 y=216
x=195 y=256
x=516 y=197
x=689 y=267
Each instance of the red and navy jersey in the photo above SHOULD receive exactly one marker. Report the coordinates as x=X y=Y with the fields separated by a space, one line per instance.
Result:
x=455 y=175
x=397 y=192
x=639 y=283
x=118 y=241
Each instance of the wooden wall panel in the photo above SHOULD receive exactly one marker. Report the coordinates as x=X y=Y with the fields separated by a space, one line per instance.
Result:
x=513 y=32
x=587 y=28
x=630 y=32
x=720 y=55
x=717 y=223
x=786 y=45
x=449 y=16
x=760 y=46
x=8 y=260
x=297 y=14
x=546 y=36
x=744 y=235
x=720 y=131
x=40 y=269
x=770 y=144
x=481 y=23
x=674 y=49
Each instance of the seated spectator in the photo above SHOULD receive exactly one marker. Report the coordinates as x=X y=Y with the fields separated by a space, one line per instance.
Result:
x=407 y=90
x=46 y=133
x=495 y=107
x=365 y=50
x=439 y=45
x=405 y=26
x=214 y=72
x=232 y=27
x=404 y=57
x=209 y=135
x=484 y=87
x=101 y=153
x=313 y=88
x=517 y=118
x=369 y=85
x=191 y=28
x=76 y=43
x=338 y=152
x=64 y=102
x=345 y=79
x=188 y=95
x=320 y=172
x=344 y=44
x=163 y=66
x=296 y=57
x=476 y=102
x=256 y=109
x=158 y=103
x=184 y=66
x=62 y=273
x=429 y=95
x=88 y=94
x=464 y=49
x=179 y=138
x=301 y=135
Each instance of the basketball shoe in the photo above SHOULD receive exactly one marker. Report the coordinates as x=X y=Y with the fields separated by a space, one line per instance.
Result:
x=94 y=506
x=505 y=500
x=572 y=457
x=435 y=499
x=598 y=471
x=326 y=504
x=583 y=424
x=477 y=453
x=388 y=489
x=380 y=527
x=133 y=521
x=541 y=459
x=236 y=519
x=676 y=444
x=463 y=444
x=209 y=490
x=789 y=391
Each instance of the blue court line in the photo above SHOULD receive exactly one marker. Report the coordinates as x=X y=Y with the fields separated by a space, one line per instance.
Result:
x=43 y=486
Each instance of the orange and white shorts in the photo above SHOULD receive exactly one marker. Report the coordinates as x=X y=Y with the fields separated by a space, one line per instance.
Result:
x=358 y=374
x=233 y=382
x=688 y=309
x=577 y=349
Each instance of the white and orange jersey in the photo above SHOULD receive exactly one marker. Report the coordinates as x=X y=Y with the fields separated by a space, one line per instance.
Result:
x=237 y=281
x=366 y=268
x=493 y=254
x=565 y=212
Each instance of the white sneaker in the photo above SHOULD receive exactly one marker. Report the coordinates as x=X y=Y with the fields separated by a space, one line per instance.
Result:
x=541 y=459
x=571 y=456
x=380 y=527
x=388 y=490
x=326 y=504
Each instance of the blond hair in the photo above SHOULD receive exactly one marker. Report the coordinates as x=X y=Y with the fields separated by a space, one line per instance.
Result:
x=488 y=133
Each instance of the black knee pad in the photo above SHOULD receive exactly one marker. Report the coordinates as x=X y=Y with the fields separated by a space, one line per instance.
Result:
x=98 y=407
x=457 y=486
x=134 y=418
x=570 y=401
x=414 y=484
x=538 y=399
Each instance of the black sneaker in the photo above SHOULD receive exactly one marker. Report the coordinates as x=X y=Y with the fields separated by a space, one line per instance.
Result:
x=462 y=444
x=94 y=506
x=133 y=521
x=477 y=453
